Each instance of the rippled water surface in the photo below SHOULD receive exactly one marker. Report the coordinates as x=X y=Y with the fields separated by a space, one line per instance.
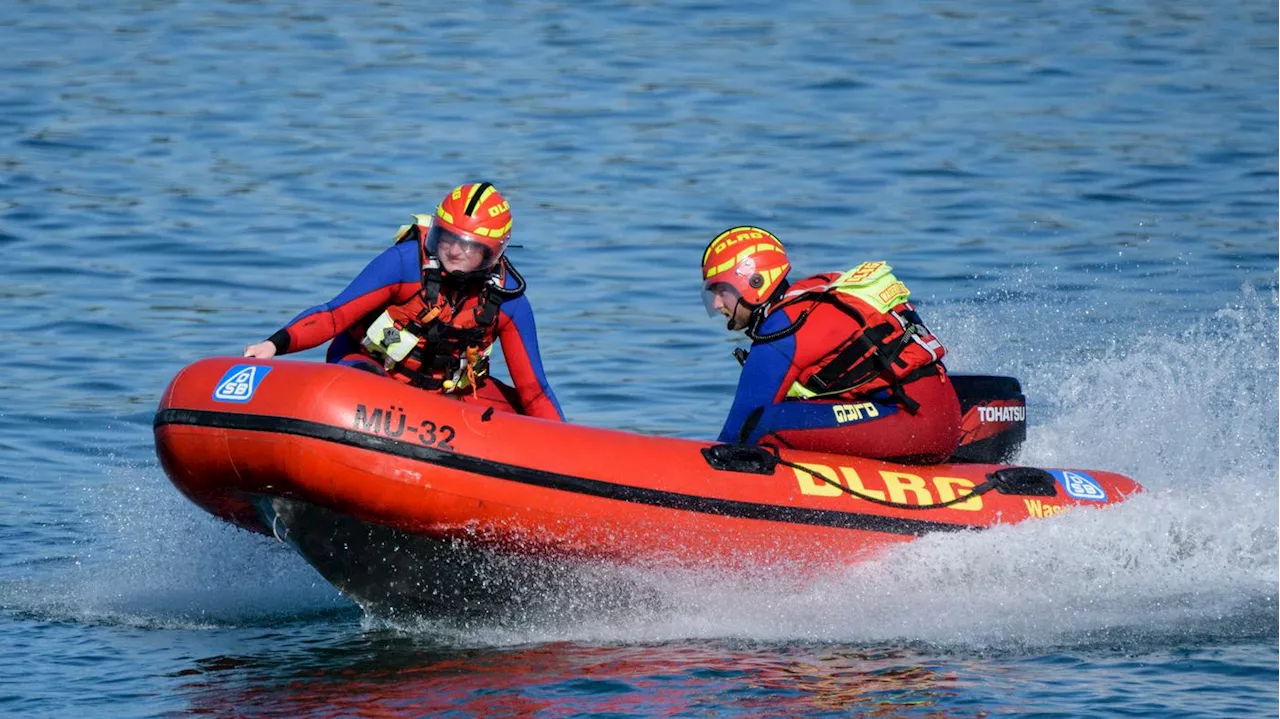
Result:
x=1082 y=195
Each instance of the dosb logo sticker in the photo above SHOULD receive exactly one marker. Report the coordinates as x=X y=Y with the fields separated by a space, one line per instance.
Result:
x=1080 y=485
x=239 y=383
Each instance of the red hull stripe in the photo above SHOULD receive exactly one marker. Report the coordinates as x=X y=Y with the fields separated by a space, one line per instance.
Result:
x=552 y=480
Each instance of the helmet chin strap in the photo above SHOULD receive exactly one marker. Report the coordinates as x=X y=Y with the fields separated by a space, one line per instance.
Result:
x=733 y=316
x=490 y=276
x=757 y=314
x=465 y=276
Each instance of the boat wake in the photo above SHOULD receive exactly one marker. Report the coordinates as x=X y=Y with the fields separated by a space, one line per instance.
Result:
x=153 y=563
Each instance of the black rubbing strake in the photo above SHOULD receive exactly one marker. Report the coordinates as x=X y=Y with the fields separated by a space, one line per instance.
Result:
x=556 y=480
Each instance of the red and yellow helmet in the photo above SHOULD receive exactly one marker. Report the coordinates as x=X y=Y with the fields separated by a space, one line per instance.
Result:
x=749 y=260
x=476 y=216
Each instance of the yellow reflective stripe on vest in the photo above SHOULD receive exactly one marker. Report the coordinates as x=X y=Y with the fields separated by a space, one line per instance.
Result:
x=798 y=391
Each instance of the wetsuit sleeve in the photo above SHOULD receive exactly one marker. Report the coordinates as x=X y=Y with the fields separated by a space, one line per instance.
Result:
x=763 y=380
x=390 y=277
x=519 y=338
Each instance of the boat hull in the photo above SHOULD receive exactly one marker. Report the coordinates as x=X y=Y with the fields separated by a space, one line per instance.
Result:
x=396 y=574
x=442 y=488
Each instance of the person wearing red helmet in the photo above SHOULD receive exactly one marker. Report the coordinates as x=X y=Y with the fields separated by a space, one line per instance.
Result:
x=428 y=310
x=839 y=362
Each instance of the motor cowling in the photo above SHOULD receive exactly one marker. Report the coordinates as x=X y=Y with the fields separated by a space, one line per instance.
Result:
x=993 y=418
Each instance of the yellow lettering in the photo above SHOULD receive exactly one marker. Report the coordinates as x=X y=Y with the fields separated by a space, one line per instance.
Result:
x=1040 y=510
x=893 y=290
x=854 y=412
x=852 y=479
x=865 y=269
x=900 y=487
x=899 y=483
x=946 y=492
x=735 y=239
x=499 y=209
x=811 y=485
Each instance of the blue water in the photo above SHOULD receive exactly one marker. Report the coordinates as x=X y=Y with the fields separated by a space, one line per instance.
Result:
x=1082 y=195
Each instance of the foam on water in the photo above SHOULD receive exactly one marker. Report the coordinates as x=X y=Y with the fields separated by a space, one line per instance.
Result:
x=1196 y=410
x=154 y=559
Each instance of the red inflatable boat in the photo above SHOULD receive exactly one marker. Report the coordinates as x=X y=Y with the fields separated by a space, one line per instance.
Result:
x=418 y=502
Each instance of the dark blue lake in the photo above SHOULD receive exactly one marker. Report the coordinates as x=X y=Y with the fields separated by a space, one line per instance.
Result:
x=1081 y=195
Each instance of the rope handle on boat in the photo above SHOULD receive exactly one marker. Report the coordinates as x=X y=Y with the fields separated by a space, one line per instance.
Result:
x=276 y=518
x=763 y=459
x=976 y=491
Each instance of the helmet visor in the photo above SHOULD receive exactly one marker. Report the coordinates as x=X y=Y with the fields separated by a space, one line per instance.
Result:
x=720 y=298
x=461 y=251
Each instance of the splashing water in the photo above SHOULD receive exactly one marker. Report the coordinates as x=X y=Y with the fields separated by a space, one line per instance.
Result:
x=1193 y=417
x=1189 y=411
x=154 y=562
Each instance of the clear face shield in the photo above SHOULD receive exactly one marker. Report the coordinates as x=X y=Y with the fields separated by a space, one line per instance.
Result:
x=724 y=300
x=461 y=252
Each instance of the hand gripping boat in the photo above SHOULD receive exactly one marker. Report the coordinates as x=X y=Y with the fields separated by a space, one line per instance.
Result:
x=416 y=502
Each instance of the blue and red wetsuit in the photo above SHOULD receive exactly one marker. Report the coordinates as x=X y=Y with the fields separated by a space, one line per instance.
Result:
x=867 y=421
x=394 y=277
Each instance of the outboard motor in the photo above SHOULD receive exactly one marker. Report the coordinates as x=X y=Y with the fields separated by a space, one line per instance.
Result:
x=993 y=418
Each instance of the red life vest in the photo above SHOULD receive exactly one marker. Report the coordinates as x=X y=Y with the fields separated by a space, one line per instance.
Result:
x=888 y=347
x=441 y=337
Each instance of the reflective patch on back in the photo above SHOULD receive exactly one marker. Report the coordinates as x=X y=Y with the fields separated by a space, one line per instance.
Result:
x=1079 y=485
x=239 y=383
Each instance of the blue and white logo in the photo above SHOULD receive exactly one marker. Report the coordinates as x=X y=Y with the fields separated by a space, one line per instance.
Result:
x=1080 y=485
x=239 y=383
